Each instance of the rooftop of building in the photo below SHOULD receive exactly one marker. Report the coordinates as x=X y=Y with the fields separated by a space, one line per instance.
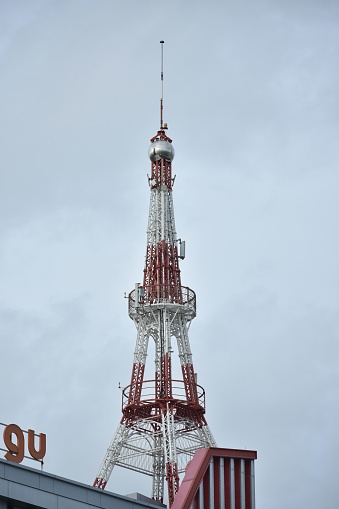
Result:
x=23 y=487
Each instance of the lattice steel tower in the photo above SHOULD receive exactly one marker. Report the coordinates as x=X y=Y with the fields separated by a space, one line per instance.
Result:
x=163 y=420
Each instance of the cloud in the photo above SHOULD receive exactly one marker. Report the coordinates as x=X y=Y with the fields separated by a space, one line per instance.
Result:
x=251 y=101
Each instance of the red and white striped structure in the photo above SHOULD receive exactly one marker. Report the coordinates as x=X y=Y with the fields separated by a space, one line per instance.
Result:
x=218 y=479
x=163 y=420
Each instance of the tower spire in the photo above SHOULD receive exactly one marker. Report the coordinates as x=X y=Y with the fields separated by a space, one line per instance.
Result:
x=163 y=420
x=162 y=85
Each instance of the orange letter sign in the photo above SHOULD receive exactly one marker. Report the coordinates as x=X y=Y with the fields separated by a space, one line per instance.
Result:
x=15 y=451
x=40 y=453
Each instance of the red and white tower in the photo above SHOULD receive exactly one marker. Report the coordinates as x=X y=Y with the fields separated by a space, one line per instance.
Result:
x=163 y=420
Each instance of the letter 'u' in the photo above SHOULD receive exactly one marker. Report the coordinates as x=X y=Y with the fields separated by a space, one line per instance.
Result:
x=40 y=453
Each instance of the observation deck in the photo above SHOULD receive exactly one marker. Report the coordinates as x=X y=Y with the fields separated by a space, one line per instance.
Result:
x=180 y=299
x=149 y=406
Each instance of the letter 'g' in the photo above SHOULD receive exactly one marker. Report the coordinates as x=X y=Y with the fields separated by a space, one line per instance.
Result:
x=16 y=451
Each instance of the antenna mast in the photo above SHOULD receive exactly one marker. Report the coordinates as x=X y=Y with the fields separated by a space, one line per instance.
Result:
x=162 y=84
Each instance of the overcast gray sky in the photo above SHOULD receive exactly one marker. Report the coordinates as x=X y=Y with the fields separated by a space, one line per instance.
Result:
x=251 y=99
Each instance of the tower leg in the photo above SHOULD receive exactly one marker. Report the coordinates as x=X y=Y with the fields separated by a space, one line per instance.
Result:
x=158 y=468
x=138 y=368
x=185 y=356
x=112 y=456
x=171 y=461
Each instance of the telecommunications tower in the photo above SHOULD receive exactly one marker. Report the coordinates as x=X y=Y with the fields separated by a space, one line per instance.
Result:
x=163 y=420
